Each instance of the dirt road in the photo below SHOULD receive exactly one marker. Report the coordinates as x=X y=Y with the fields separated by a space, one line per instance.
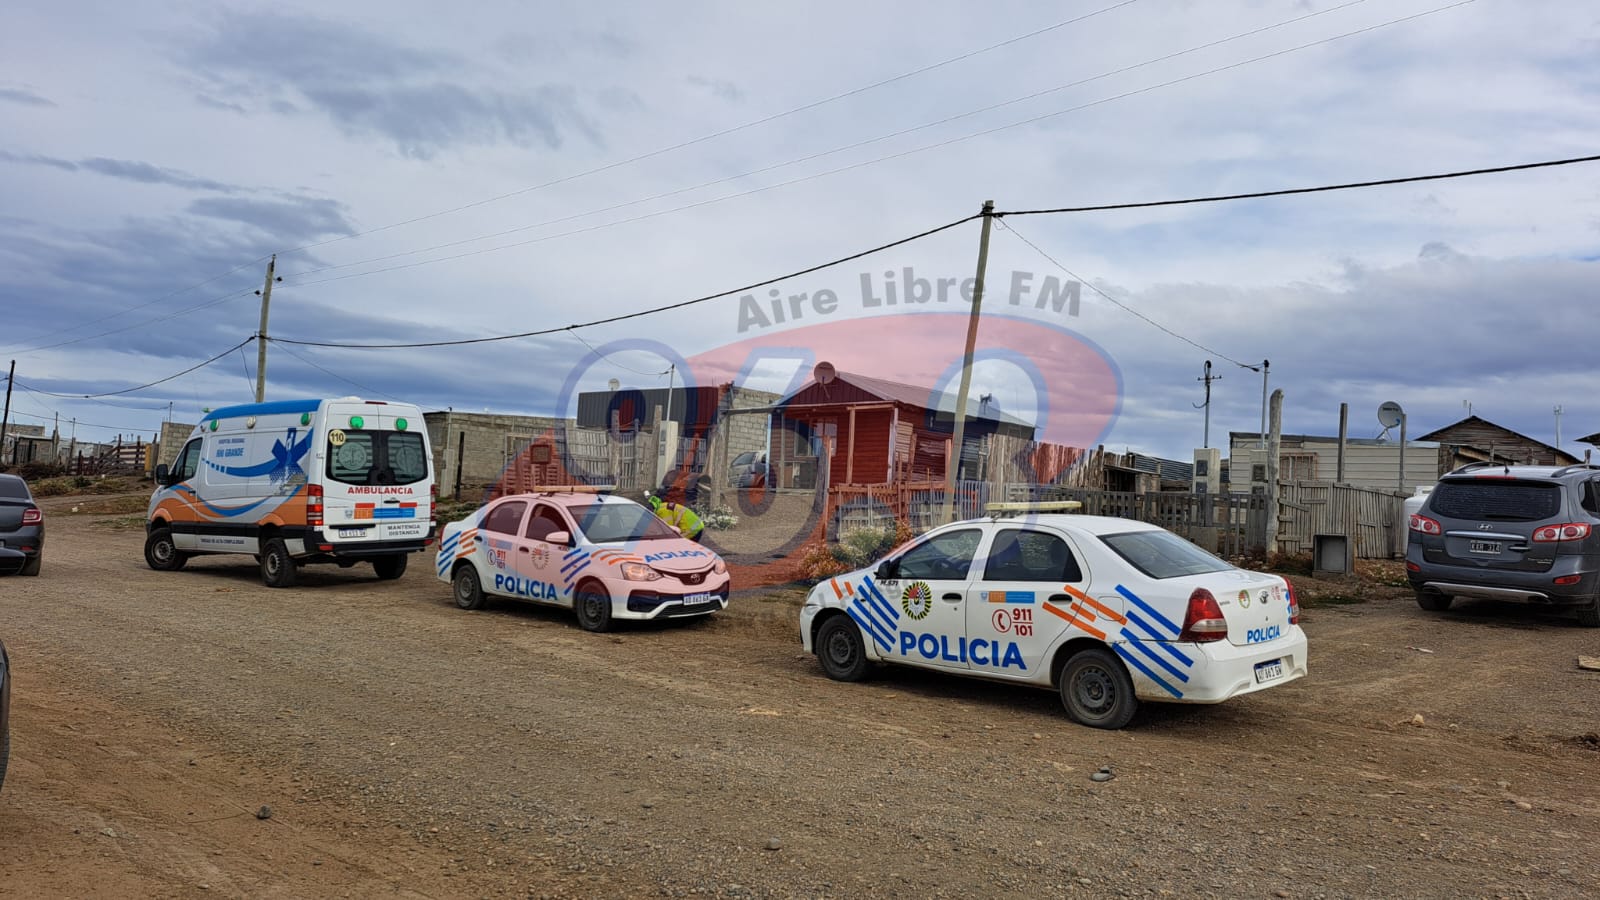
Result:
x=409 y=749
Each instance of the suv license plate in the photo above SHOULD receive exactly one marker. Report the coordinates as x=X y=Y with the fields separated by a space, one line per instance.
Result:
x=1269 y=670
x=1489 y=547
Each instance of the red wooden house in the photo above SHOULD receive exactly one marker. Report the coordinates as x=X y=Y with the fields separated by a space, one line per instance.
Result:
x=856 y=429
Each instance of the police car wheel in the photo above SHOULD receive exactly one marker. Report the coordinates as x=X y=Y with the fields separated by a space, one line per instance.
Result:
x=1097 y=691
x=592 y=607
x=840 y=650
x=161 y=554
x=278 y=568
x=467 y=589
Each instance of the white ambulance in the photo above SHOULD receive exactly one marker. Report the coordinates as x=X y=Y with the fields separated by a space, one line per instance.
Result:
x=1106 y=611
x=294 y=482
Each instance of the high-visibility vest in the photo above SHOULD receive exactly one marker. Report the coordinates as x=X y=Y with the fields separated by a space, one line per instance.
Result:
x=682 y=518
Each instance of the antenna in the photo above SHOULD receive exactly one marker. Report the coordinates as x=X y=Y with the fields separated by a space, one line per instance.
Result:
x=614 y=385
x=824 y=372
x=1390 y=414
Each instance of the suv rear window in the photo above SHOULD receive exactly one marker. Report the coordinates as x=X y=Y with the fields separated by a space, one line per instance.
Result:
x=1497 y=500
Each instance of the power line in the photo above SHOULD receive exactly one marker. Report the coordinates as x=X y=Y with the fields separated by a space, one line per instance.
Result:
x=153 y=383
x=593 y=349
x=1118 y=303
x=724 y=132
x=82 y=424
x=835 y=171
x=172 y=315
x=166 y=296
x=618 y=318
x=797 y=160
x=1519 y=167
x=332 y=374
x=123 y=406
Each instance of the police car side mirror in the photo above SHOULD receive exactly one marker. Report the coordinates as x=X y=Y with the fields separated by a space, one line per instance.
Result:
x=163 y=475
x=564 y=538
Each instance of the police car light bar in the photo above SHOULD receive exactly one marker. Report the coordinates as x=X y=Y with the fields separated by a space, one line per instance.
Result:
x=575 y=489
x=1049 y=506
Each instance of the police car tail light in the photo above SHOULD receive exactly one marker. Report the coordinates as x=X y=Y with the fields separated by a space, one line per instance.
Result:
x=313 y=504
x=1294 y=603
x=1425 y=525
x=1203 y=621
x=639 y=572
x=32 y=517
x=1571 y=531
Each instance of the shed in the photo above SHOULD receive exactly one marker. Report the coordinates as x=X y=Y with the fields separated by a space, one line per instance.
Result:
x=1475 y=439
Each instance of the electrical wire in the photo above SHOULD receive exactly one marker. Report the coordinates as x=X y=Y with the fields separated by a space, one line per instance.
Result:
x=153 y=383
x=1118 y=303
x=249 y=379
x=332 y=374
x=172 y=315
x=81 y=424
x=596 y=351
x=724 y=132
x=808 y=158
x=1410 y=179
x=838 y=170
x=124 y=406
x=633 y=315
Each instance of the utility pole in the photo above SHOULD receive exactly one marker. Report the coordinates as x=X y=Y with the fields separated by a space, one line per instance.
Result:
x=5 y=420
x=1265 y=364
x=1558 y=428
x=1208 y=378
x=261 y=336
x=948 y=513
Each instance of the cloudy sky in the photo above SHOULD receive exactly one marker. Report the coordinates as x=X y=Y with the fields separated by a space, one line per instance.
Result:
x=428 y=173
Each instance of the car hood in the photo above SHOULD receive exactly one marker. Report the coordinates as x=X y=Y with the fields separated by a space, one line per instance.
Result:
x=675 y=556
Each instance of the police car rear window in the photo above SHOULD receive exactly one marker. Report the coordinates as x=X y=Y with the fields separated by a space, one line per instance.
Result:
x=1162 y=554
x=1496 y=500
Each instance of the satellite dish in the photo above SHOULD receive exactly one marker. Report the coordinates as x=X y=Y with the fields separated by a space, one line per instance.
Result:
x=614 y=385
x=1390 y=414
x=824 y=373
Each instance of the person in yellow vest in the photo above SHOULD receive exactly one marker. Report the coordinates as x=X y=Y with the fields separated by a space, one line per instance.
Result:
x=680 y=517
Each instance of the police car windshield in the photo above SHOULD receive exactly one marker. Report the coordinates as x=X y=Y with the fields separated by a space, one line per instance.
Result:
x=604 y=523
x=1162 y=554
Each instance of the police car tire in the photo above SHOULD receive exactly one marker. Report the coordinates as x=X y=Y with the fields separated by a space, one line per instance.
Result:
x=390 y=567
x=841 y=651
x=1096 y=690
x=278 y=568
x=591 y=605
x=170 y=559
x=1433 y=601
x=467 y=589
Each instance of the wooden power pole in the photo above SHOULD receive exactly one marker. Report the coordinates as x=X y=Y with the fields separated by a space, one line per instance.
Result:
x=261 y=336
x=954 y=465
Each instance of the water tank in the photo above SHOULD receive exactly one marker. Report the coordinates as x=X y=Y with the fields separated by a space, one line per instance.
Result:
x=1412 y=506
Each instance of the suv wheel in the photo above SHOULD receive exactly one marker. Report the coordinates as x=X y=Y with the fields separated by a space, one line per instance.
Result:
x=1589 y=616
x=1433 y=601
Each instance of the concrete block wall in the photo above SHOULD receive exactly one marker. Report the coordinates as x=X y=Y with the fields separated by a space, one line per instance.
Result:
x=477 y=446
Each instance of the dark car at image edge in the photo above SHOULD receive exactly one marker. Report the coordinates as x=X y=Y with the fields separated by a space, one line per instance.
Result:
x=5 y=713
x=1525 y=534
x=21 y=528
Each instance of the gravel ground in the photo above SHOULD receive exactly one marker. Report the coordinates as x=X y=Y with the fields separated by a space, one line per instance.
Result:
x=407 y=748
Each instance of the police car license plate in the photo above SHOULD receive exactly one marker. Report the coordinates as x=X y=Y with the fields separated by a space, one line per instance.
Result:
x=689 y=599
x=1269 y=670
x=352 y=532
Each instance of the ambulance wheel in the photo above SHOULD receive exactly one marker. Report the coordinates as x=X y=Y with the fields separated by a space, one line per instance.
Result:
x=161 y=554
x=390 y=567
x=1097 y=691
x=278 y=568
x=592 y=606
x=840 y=650
x=467 y=589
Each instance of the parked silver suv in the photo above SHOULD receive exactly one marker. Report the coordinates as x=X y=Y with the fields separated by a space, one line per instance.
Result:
x=1529 y=534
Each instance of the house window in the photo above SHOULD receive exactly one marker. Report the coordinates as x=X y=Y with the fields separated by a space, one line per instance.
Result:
x=1297 y=467
x=1258 y=472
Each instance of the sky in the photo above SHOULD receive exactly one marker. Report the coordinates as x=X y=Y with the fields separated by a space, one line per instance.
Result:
x=424 y=173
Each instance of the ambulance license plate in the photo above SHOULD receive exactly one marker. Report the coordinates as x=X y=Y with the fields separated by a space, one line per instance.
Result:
x=1269 y=671
x=352 y=532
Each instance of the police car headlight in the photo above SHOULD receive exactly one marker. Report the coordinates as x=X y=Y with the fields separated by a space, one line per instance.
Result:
x=639 y=572
x=719 y=567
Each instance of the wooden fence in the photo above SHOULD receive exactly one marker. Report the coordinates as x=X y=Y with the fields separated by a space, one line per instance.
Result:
x=1369 y=517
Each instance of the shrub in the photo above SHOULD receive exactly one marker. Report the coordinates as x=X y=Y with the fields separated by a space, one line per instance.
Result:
x=819 y=561
x=720 y=518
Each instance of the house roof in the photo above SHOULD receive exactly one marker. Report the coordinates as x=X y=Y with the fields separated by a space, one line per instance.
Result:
x=1442 y=434
x=1422 y=442
x=920 y=397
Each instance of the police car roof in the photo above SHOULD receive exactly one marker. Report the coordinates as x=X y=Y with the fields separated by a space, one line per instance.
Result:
x=1096 y=525
x=571 y=497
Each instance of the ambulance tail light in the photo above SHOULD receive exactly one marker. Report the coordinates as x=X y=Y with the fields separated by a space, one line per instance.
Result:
x=1203 y=622
x=1294 y=603
x=314 y=505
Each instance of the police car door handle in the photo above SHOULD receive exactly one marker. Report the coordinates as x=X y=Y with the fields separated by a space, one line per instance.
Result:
x=522 y=549
x=954 y=598
x=1060 y=598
